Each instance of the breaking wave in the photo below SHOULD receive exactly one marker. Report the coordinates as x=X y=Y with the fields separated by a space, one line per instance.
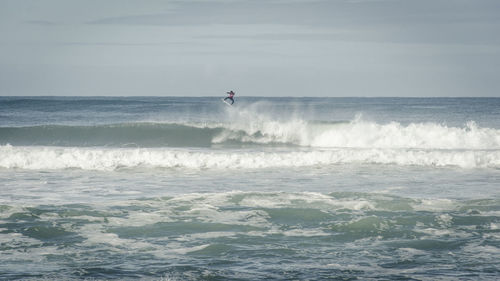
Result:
x=250 y=140
x=259 y=131
x=116 y=158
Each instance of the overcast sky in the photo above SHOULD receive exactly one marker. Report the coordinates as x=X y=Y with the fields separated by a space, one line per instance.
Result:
x=255 y=47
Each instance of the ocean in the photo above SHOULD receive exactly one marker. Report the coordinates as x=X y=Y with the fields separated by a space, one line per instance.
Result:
x=185 y=188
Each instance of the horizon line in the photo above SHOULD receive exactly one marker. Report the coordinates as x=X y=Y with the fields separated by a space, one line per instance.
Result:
x=238 y=96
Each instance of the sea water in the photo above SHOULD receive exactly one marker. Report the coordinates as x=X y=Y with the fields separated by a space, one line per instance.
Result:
x=175 y=188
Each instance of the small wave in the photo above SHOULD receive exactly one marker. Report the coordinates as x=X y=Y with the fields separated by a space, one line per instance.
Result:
x=113 y=135
x=116 y=158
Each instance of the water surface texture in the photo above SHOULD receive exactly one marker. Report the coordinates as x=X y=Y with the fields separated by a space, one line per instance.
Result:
x=178 y=188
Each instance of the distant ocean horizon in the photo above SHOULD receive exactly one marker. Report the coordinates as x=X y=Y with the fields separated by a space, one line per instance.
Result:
x=271 y=188
x=239 y=96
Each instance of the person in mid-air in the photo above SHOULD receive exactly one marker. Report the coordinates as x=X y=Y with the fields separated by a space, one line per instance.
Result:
x=230 y=96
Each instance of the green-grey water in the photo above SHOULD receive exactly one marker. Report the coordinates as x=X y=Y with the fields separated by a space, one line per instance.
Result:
x=269 y=189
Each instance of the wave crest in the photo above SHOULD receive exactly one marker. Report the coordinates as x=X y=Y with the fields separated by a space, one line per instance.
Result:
x=249 y=127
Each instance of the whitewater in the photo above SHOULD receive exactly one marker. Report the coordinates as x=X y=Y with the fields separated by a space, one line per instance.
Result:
x=271 y=188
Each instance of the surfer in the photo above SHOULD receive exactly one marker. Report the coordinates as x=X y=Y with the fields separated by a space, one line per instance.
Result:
x=230 y=97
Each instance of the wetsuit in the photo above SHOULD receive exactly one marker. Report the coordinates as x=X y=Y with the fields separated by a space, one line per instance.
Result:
x=230 y=97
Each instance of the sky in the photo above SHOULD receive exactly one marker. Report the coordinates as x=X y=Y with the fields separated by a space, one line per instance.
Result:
x=298 y=48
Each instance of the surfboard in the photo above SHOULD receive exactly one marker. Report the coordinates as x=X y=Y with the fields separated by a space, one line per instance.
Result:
x=226 y=102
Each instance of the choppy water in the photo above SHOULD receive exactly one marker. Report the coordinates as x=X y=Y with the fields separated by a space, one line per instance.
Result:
x=271 y=188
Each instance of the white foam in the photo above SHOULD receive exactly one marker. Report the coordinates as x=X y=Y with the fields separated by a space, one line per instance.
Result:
x=268 y=200
x=95 y=235
x=106 y=238
x=206 y=235
x=434 y=232
x=305 y=233
x=415 y=135
x=17 y=239
x=444 y=220
x=116 y=158
x=435 y=205
x=301 y=200
x=261 y=128
x=187 y=250
x=137 y=219
x=410 y=252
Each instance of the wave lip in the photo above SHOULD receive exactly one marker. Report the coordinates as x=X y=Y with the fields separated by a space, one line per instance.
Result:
x=116 y=158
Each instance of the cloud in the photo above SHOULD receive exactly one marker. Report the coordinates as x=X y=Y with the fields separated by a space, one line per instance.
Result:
x=42 y=22
x=389 y=47
x=425 y=21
